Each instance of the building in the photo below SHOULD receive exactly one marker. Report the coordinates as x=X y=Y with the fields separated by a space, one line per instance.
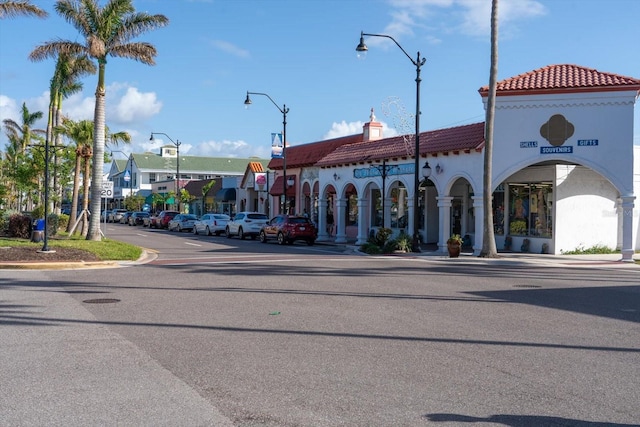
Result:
x=565 y=170
x=148 y=173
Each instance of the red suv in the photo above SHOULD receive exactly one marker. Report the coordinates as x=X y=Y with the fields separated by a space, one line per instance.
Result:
x=288 y=229
x=162 y=219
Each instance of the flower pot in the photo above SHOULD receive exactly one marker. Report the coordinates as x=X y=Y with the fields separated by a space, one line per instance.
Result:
x=454 y=249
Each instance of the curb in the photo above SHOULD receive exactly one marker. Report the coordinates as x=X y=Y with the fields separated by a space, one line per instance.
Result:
x=147 y=255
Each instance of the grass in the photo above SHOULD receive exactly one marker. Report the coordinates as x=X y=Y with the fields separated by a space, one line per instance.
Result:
x=106 y=250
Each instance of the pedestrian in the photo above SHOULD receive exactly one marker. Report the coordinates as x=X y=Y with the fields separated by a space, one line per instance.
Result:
x=330 y=223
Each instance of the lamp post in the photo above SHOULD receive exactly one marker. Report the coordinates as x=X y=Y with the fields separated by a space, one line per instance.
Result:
x=418 y=63
x=284 y=110
x=177 y=145
x=383 y=170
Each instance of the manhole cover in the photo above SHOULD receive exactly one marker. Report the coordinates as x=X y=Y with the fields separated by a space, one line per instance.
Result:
x=101 y=301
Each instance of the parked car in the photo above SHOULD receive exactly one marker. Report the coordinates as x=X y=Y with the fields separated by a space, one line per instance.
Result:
x=115 y=215
x=163 y=218
x=182 y=222
x=137 y=218
x=288 y=229
x=246 y=224
x=146 y=221
x=211 y=223
x=125 y=218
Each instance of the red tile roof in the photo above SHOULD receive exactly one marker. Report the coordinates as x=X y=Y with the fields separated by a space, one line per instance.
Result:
x=299 y=156
x=278 y=187
x=561 y=79
x=442 y=141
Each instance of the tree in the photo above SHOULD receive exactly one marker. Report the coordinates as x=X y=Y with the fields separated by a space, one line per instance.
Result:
x=205 y=189
x=488 y=239
x=24 y=129
x=81 y=133
x=13 y=8
x=65 y=82
x=107 y=31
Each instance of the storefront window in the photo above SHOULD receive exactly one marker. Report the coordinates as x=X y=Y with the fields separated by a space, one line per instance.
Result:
x=376 y=208
x=352 y=213
x=530 y=209
x=399 y=207
x=498 y=210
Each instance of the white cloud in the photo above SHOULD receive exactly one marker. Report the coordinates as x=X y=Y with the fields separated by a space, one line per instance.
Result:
x=227 y=47
x=135 y=106
x=470 y=17
x=345 y=129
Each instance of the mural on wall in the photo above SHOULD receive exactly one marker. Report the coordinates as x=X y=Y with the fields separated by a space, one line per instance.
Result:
x=557 y=130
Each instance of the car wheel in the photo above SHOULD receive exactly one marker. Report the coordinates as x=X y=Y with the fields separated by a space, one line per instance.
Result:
x=227 y=232
x=281 y=239
x=207 y=231
x=195 y=230
x=241 y=233
x=310 y=242
x=263 y=237
x=179 y=229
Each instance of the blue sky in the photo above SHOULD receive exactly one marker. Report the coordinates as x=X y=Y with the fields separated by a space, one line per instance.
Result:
x=302 y=53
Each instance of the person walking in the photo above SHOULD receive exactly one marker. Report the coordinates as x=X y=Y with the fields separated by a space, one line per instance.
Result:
x=330 y=223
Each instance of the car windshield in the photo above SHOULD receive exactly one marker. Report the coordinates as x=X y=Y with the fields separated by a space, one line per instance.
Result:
x=257 y=216
x=189 y=217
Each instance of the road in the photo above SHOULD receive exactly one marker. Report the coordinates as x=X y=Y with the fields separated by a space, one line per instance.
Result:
x=220 y=331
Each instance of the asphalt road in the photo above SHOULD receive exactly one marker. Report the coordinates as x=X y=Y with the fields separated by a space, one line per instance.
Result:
x=228 y=332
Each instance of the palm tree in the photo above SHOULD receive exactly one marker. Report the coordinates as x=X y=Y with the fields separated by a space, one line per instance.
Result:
x=82 y=134
x=488 y=239
x=107 y=31
x=20 y=136
x=12 y=8
x=65 y=82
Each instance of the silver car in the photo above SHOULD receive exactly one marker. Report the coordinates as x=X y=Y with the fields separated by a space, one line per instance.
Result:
x=246 y=224
x=182 y=222
x=211 y=223
x=115 y=215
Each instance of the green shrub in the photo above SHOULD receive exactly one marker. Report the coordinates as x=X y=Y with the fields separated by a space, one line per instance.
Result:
x=404 y=243
x=370 y=248
x=38 y=212
x=593 y=250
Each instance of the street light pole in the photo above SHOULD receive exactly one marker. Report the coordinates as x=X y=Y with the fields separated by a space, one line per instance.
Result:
x=383 y=170
x=284 y=110
x=177 y=145
x=418 y=63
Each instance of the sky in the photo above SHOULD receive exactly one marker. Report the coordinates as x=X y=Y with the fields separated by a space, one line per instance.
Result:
x=301 y=53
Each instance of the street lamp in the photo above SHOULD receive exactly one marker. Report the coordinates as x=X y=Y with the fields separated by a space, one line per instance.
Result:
x=383 y=170
x=284 y=110
x=177 y=144
x=418 y=63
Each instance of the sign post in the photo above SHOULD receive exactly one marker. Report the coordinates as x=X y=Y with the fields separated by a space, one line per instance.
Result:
x=106 y=193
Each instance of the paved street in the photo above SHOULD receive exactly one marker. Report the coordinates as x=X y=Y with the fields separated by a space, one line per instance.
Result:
x=215 y=331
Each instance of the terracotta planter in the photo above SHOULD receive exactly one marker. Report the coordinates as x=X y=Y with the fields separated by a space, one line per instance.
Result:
x=454 y=249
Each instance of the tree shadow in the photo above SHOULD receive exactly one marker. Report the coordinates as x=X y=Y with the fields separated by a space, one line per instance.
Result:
x=521 y=420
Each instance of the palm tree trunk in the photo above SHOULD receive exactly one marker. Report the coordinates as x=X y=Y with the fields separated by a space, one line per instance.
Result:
x=76 y=189
x=98 y=155
x=85 y=184
x=488 y=240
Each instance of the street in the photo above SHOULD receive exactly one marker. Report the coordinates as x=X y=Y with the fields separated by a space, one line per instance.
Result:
x=218 y=331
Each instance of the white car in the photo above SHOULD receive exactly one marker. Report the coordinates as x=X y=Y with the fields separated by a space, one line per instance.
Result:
x=246 y=224
x=211 y=223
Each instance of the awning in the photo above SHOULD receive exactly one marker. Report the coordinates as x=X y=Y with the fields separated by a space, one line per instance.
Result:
x=226 y=194
x=276 y=188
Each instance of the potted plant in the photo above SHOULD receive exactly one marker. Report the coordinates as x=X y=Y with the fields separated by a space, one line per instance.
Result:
x=454 y=244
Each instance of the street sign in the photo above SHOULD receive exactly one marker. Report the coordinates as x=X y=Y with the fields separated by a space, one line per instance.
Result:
x=107 y=189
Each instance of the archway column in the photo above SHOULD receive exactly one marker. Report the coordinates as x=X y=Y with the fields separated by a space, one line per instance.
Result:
x=341 y=229
x=363 y=213
x=322 y=220
x=478 y=215
x=627 y=228
x=444 y=213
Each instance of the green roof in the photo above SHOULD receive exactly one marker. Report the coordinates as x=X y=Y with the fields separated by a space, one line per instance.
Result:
x=214 y=165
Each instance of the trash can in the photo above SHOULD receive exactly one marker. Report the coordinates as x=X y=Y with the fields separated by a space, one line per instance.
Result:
x=37 y=234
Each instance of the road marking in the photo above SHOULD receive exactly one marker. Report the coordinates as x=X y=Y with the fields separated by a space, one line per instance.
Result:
x=192 y=244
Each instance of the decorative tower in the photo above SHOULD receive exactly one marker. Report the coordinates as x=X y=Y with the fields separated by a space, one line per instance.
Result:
x=373 y=130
